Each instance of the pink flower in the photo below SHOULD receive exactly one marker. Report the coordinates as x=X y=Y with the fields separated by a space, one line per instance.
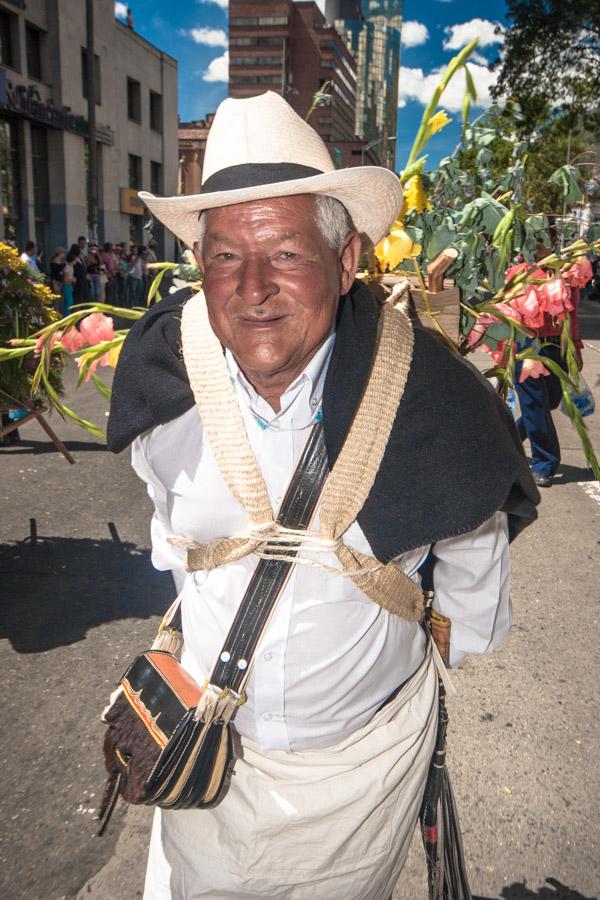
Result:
x=528 y=306
x=579 y=273
x=512 y=271
x=555 y=297
x=72 y=340
x=532 y=368
x=96 y=328
x=43 y=340
x=480 y=327
x=509 y=311
x=496 y=354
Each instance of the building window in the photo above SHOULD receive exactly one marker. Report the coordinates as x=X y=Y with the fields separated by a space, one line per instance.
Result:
x=7 y=45
x=33 y=41
x=156 y=177
x=255 y=79
x=134 y=100
x=256 y=41
x=9 y=174
x=135 y=172
x=97 y=79
x=256 y=60
x=39 y=167
x=156 y=117
x=259 y=20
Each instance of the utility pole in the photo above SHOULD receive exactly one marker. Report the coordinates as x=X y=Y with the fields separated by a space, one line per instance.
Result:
x=92 y=185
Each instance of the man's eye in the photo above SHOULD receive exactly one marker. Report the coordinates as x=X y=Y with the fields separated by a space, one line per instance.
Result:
x=287 y=255
x=226 y=257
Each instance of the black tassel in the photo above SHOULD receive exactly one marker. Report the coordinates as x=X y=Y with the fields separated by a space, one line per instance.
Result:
x=111 y=795
x=446 y=870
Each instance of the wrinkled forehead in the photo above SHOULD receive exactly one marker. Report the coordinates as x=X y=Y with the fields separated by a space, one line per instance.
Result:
x=261 y=221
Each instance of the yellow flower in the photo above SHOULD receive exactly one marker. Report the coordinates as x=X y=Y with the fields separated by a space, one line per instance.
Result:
x=395 y=248
x=415 y=196
x=113 y=355
x=10 y=259
x=437 y=122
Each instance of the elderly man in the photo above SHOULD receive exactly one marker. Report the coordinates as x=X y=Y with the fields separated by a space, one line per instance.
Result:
x=340 y=721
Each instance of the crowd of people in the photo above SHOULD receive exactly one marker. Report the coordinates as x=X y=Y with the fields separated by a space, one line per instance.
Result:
x=89 y=272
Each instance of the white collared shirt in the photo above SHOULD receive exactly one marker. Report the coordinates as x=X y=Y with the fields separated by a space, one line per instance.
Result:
x=330 y=656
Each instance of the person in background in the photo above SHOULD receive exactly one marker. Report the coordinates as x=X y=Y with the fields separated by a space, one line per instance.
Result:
x=68 y=279
x=149 y=273
x=109 y=262
x=30 y=259
x=539 y=396
x=119 y=294
x=57 y=264
x=81 y=283
x=94 y=267
x=135 y=278
x=82 y=241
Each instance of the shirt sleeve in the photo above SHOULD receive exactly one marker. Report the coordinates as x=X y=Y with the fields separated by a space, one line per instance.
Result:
x=164 y=555
x=471 y=580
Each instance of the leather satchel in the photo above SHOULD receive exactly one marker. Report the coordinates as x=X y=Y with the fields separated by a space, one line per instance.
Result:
x=170 y=741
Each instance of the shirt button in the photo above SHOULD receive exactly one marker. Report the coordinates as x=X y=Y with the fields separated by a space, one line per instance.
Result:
x=268 y=656
x=267 y=717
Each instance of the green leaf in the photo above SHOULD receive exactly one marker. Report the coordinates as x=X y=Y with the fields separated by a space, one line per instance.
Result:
x=102 y=388
x=567 y=178
x=470 y=85
x=155 y=286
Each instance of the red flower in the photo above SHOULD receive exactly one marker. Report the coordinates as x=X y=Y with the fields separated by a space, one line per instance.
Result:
x=579 y=273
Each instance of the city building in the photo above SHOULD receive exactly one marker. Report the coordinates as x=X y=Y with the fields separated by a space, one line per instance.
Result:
x=289 y=47
x=371 y=30
x=192 y=144
x=44 y=124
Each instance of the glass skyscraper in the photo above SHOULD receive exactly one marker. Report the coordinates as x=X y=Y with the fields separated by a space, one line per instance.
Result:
x=371 y=30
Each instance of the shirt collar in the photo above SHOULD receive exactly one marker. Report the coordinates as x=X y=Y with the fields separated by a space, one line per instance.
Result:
x=305 y=391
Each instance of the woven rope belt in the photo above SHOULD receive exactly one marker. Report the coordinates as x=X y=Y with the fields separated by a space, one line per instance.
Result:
x=349 y=482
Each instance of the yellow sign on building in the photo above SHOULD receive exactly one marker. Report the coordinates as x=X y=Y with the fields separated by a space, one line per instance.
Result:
x=131 y=203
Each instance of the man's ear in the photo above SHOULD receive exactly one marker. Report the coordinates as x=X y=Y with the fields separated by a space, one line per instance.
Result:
x=349 y=259
x=198 y=256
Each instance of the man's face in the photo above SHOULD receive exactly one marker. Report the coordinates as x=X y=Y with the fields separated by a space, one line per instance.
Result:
x=272 y=283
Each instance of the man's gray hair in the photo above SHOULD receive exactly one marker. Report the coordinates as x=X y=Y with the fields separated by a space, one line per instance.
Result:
x=331 y=217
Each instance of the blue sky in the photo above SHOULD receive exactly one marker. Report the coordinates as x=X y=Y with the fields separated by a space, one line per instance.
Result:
x=195 y=33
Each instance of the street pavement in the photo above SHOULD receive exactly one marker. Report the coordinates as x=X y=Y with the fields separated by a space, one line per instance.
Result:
x=80 y=598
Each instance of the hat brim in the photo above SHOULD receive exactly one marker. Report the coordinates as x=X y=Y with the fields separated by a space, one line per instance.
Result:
x=371 y=194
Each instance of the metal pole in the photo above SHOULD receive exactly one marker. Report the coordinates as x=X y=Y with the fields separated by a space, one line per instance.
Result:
x=90 y=75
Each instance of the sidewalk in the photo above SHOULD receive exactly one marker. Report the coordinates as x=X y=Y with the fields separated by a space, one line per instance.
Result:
x=81 y=599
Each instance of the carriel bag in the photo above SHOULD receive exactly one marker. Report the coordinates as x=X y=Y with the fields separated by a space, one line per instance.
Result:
x=170 y=741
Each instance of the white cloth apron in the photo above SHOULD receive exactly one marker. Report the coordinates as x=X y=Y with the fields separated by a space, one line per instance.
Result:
x=332 y=824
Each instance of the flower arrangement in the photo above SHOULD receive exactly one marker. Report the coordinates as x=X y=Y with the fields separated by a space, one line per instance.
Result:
x=480 y=225
x=26 y=308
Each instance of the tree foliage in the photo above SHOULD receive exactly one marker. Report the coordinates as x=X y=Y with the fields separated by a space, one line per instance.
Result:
x=548 y=151
x=551 y=58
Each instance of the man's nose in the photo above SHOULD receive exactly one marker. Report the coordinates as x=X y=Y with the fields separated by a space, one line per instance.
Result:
x=256 y=283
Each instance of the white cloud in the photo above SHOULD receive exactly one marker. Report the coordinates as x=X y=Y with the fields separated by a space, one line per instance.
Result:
x=218 y=69
x=120 y=10
x=210 y=37
x=224 y=4
x=458 y=36
x=414 y=34
x=413 y=84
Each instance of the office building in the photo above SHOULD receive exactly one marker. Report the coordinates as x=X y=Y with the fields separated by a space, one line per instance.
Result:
x=192 y=144
x=290 y=48
x=371 y=30
x=44 y=126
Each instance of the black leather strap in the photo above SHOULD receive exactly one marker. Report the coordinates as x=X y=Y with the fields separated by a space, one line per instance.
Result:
x=270 y=575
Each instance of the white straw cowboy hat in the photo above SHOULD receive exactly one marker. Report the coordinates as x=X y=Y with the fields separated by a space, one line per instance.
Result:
x=259 y=148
